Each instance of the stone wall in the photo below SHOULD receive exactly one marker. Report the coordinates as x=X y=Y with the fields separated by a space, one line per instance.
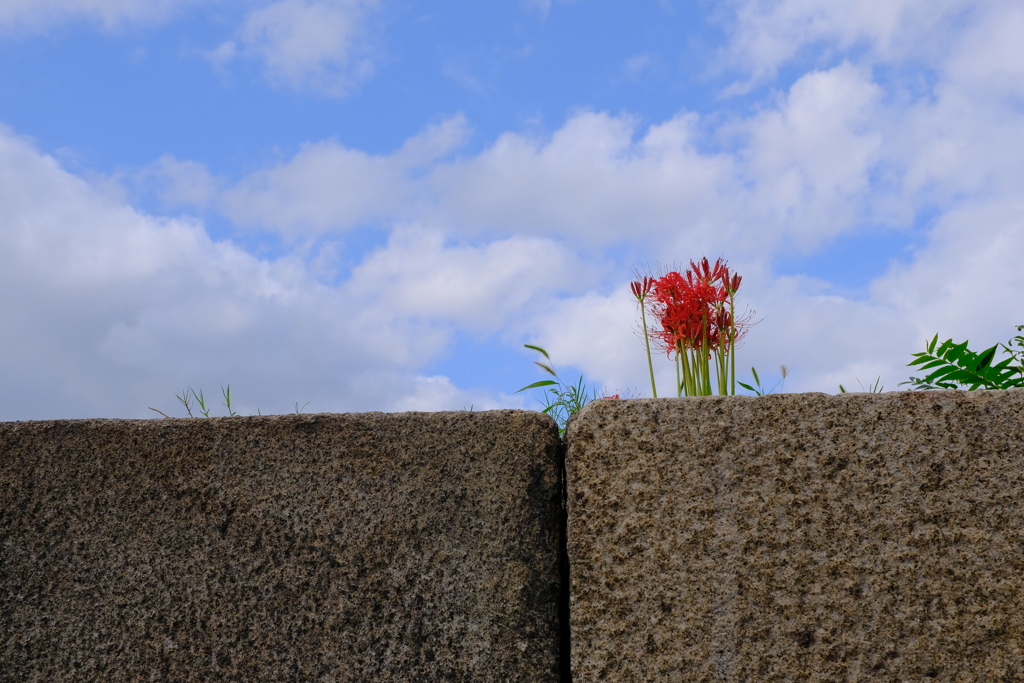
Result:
x=783 y=538
x=369 y=547
x=799 y=537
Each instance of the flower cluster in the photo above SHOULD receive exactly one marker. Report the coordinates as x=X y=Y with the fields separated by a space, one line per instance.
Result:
x=697 y=316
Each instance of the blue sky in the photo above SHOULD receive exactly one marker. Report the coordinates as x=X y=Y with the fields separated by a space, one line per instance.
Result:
x=373 y=204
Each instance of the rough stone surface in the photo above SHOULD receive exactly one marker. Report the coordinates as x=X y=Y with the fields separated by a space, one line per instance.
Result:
x=802 y=537
x=359 y=547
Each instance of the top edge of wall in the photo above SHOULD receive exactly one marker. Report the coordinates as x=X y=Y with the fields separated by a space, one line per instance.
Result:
x=502 y=413
x=602 y=410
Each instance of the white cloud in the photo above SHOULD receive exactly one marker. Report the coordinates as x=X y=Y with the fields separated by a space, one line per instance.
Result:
x=591 y=180
x=482 y=288
x=322 y=46
x=306 y=44
x=963 y=139
x=968 y=276
x=810 y=158
x=768 y=33
x=181 y=182
x=791 y=169
x=988 y=58
x=427 y=393
x=108 y=311
x=329 y=187
x=40 y=14
x=801 y=170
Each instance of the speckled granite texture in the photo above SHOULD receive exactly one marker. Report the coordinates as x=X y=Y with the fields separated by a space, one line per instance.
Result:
x=806 y=537
x=359 y=547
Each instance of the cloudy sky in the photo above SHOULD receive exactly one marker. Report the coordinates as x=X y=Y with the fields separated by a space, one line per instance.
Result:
x=373 y=204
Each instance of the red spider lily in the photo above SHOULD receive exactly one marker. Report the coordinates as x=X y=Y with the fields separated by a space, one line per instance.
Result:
x=696 y=313
x=642 y=287
x=734 y=284
x=707 y=273
x=688 y=308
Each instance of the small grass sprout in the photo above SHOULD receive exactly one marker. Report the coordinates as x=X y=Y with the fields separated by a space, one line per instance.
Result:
x=561 y=401
x=875 y=388
x=195 y=400
x=759 y=390
x=227 y=400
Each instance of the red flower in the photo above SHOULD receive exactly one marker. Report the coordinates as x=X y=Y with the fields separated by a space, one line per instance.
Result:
x=734 y=284
x=705 y=272
x=693 y=309
x=642 y=287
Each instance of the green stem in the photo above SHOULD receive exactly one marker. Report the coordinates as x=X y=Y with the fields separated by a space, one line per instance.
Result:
x=691 y=369
x=647 y=343
x=686 y=383
x=705 y=360
x=679 y=378
x=732 y=339
x=723 y=350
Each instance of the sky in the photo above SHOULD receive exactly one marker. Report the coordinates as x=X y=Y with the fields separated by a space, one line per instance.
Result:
x=356 y=205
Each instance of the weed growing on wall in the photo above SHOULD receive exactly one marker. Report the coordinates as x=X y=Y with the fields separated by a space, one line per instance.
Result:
x=955 y=366
x=190 y=398
x=875 y=388
x=759 y=390
x=561 y=401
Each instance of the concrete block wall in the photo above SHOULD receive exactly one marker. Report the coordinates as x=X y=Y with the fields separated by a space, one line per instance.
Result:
x=782 y=538
x=801 y=537
x=363 y=547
